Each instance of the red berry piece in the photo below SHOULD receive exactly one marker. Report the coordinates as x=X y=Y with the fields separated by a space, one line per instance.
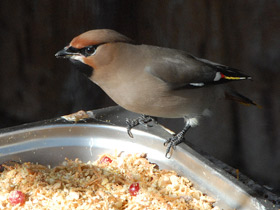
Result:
x=17 y=197
x=134 y=189
x=106 y=159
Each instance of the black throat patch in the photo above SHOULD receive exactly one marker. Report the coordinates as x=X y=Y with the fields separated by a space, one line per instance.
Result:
x=83 y=68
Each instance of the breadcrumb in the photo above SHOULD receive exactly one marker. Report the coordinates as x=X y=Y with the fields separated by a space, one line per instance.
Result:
x=100 y=185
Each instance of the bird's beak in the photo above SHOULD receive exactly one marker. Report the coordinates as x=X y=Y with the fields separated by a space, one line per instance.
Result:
x=65 y=53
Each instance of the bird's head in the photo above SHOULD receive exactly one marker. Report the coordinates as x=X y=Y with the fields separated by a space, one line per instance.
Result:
x=85 y=47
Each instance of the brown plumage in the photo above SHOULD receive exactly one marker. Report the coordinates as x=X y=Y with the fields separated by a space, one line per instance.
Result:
x=152 y=80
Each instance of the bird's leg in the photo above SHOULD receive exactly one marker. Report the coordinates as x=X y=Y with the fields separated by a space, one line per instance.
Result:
x=175 y=140
x=142 y=120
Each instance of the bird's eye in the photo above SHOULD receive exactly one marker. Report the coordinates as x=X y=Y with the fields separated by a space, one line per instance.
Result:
x=89 y=51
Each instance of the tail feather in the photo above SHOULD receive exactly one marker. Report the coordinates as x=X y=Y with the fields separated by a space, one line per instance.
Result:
x=235 y=96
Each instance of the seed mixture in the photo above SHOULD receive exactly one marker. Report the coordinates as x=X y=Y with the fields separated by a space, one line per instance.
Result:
x=111 y=183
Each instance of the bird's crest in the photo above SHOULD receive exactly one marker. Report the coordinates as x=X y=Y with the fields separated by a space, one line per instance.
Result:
x=97 y=37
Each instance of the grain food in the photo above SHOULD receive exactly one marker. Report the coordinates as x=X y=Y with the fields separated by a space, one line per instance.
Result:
x=111 y=182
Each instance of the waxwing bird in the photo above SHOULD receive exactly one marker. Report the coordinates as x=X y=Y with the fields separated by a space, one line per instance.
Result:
x=151 y=80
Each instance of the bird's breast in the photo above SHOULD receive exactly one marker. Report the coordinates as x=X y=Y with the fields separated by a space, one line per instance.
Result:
x=134 y=93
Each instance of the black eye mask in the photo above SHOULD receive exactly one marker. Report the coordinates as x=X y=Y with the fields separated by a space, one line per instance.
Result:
x=86 y=51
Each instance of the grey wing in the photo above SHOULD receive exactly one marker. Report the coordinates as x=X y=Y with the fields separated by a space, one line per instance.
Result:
x=181 y=69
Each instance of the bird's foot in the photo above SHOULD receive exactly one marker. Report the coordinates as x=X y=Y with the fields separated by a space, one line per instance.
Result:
x=142 y=120
x=172 y=142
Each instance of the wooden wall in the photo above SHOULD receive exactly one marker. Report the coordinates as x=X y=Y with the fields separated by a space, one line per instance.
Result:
x=243 y=34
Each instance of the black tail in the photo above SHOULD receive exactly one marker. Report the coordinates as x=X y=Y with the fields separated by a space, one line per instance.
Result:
x=235 y=96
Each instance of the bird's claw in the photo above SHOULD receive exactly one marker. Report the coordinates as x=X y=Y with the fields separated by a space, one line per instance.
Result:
x=130 y=124
x=172 y=142
x=175 y=140
x=142 y=120
x=168 y=153
x=128 y=128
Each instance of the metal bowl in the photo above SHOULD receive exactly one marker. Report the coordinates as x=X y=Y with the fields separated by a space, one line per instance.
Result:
x=49 y=142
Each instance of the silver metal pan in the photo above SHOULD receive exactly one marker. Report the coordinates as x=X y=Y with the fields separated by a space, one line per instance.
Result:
x=49 y=142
